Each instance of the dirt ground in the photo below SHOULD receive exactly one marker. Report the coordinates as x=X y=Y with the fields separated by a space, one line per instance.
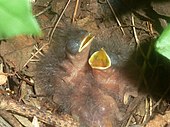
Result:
x=126 y=29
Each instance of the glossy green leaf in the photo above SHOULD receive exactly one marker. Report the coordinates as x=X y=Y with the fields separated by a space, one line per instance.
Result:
x=163 y=43
x=16 y=18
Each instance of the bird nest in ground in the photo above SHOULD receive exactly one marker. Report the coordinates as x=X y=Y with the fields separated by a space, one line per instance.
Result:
x=94 y=66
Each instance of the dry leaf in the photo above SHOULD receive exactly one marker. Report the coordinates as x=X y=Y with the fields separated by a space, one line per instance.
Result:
x=24 y=121
x=3 y=77
x=35 y=122
x=4 y=123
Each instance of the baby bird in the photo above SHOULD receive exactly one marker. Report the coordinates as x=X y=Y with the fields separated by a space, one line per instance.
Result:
x=64 y=65
x=85 y=86
x=113 y=80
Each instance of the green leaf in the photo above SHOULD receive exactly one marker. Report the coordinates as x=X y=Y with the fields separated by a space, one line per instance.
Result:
x=163 y=43
x=16 y=18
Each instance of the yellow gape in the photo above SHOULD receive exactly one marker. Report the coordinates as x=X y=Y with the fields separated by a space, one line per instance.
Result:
x=100 y=60
x=86 y=41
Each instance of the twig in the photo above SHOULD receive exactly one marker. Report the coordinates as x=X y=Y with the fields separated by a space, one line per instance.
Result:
x=44 y=10
x=51 y=33
x=38 y=51
x=146 y=110
x=151 y=106
x=132 y=109
x=116 y=17
x=144 y=66
x=7 y=74
x=134 y=30
x=165 y=93
x=9 y=104
x=75 y=11
x=129 y=120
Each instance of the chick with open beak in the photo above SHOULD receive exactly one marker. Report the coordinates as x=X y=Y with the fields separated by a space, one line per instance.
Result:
x=77 y=52
x=85 y=87
x=106 y=76
x=63 y=64
x=115 y=81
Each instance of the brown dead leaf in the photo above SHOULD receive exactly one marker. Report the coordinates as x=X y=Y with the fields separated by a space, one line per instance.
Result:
x=35 y=122
x=4 y=123
x=17 y=50
x=24 y=121
x=3 y=77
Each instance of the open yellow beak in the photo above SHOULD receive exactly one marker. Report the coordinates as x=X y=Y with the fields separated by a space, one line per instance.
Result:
x=86 y=41
x=100 y=60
